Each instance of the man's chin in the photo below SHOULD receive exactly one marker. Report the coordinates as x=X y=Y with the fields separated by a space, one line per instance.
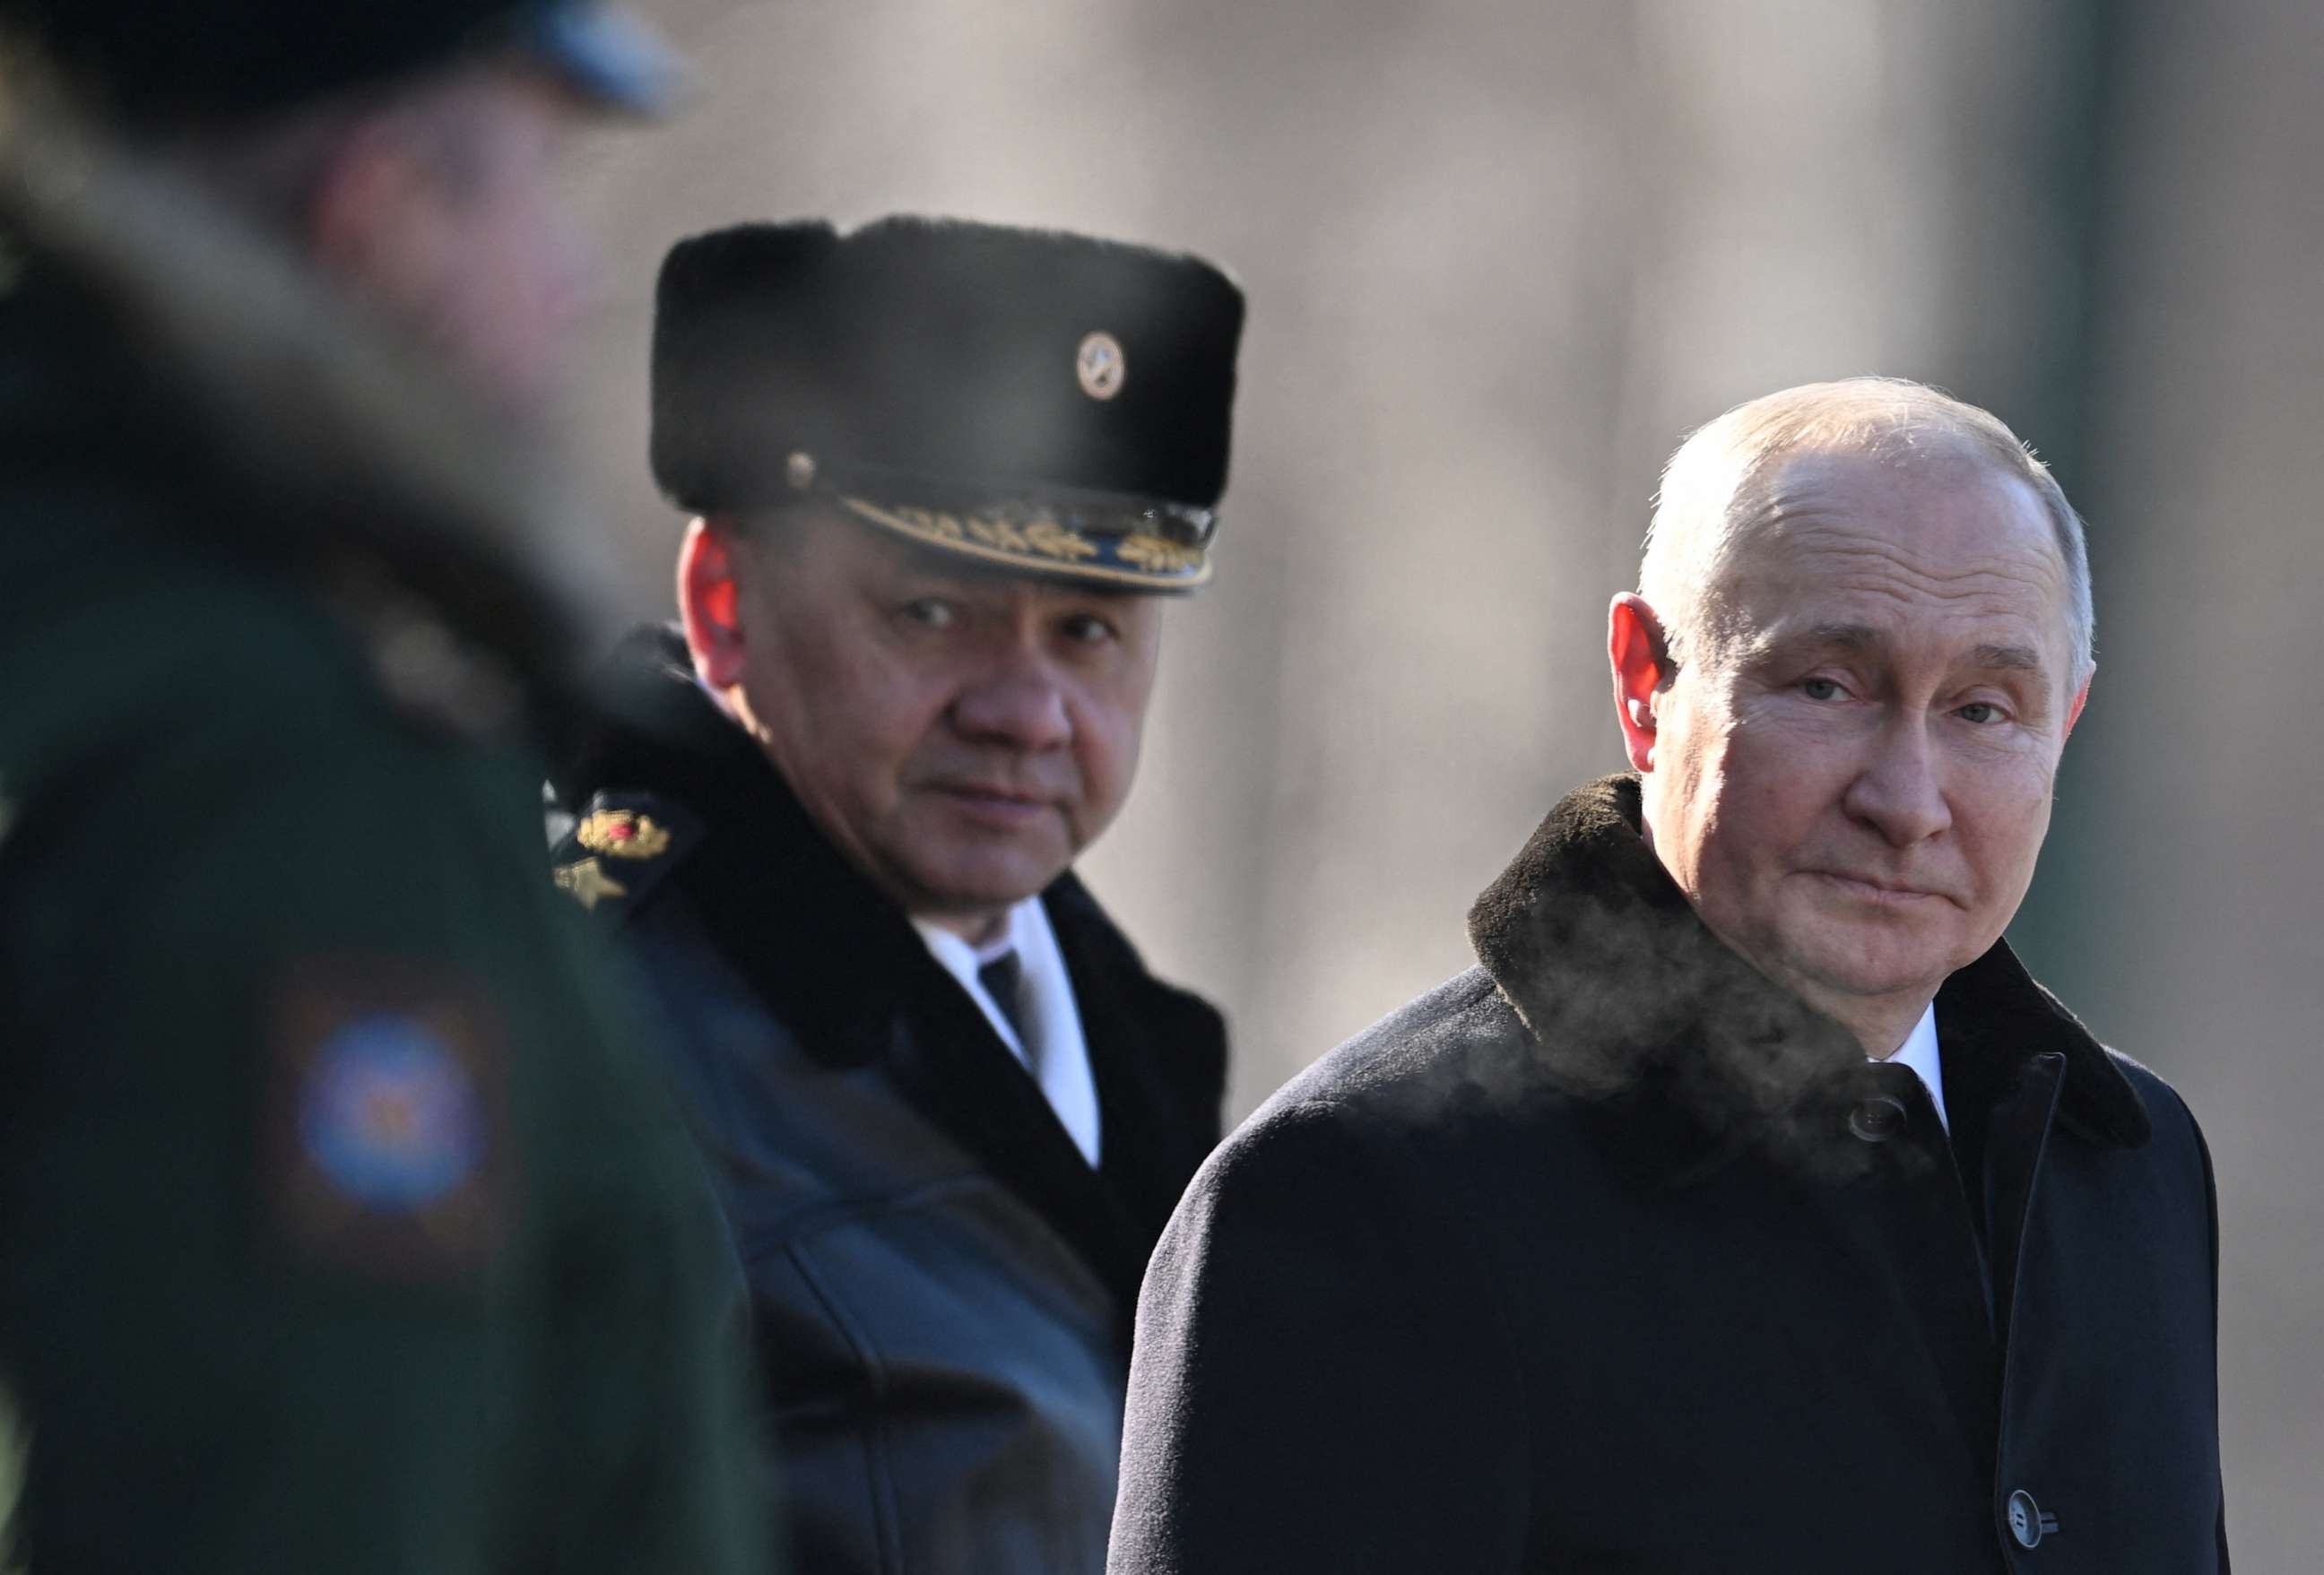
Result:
x=1881 y=976
x=1868 y=960
x=987 y=880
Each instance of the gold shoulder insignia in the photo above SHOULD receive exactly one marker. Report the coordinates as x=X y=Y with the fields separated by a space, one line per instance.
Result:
x=624 y=845
x=622 y=833
x=587 y=883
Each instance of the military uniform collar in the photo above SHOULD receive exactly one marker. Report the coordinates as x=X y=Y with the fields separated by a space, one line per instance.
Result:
x=1688 y=1053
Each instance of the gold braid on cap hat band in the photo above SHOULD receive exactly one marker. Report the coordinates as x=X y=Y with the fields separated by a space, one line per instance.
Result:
x=1093 y=536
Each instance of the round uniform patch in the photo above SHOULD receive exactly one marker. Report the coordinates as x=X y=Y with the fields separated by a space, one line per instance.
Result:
x=389 y=1116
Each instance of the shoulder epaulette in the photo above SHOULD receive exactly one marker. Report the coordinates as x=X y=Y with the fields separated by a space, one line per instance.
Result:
x=620 y=847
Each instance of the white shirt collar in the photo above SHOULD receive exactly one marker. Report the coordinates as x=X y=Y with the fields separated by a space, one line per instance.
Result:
x=1053 y=1019
x=1919 y=1052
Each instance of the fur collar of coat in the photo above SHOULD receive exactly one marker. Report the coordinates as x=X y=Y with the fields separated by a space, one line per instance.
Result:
x=1636 y=1008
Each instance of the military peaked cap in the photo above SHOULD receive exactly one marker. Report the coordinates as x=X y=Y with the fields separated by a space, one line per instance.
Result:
x=1051 y=403
x=161 y=60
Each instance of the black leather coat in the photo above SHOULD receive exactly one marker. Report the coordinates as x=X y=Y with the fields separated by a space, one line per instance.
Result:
x=1610 y=1257
x=941 y=1287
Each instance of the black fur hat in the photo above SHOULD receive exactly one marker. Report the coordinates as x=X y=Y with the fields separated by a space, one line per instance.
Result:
x=157 y=61
x=1048 y=401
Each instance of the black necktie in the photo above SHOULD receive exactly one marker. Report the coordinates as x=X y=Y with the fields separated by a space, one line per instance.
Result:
x=1003 y=978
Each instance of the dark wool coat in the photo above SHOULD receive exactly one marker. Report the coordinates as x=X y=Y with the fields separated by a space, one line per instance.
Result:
x=1607 y=1255
x=941 y=1287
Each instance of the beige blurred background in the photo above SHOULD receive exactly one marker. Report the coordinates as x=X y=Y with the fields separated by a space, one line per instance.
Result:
x=1500 y=254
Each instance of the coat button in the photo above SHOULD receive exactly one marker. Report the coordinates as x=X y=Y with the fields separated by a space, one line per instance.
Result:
x=2027 y=1523
x=1877 y=1119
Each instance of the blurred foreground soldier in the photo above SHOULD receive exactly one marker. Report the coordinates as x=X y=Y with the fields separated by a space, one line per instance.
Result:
x=1749 y=1208
x=341 y=1226
x=944 y=477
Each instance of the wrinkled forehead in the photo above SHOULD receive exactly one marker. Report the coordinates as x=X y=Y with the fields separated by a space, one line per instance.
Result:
x=1936 y=538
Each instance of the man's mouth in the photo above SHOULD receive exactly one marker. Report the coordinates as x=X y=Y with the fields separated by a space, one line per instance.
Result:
x=995 y=804
x=1877 y=890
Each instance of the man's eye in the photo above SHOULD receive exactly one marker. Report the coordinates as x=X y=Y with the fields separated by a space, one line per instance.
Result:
x=1983 y=712
x=1822 y=689
x=930 y=613
x=1087 y=629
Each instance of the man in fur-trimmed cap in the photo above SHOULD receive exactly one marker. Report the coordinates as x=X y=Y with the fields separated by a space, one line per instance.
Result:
x=346 y=1226
x=944 y=478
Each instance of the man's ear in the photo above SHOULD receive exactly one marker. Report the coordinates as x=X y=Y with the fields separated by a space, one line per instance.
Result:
x=370 y=218
x=707 y=601
x=1640 y=657
x=2074 y=711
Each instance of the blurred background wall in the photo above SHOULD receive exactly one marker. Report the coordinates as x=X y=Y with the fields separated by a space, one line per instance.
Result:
x=1501 y=254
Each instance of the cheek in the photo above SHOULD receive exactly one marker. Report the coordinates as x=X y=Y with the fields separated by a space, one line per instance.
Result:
x=2007 y=811
x=1108 y=731
x=1766 y=792
x=844 y=717
x=1110 y=713
x=894 y=717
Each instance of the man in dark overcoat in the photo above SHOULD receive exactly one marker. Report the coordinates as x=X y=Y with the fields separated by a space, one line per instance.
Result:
x=1748 y=1207
x=345 y=1223
x=944 y=477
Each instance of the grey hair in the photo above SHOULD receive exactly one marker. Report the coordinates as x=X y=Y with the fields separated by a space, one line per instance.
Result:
x=1718 y=479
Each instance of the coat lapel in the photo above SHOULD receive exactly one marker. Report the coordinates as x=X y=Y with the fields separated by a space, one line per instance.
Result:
x=1158 y=1057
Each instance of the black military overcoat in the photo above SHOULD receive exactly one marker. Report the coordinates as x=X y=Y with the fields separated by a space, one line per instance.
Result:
x=1607 y=1255
x=941 y=1287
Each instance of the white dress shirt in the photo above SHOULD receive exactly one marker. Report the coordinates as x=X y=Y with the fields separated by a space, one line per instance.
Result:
x=1919 y=1052
x=1058 y=1056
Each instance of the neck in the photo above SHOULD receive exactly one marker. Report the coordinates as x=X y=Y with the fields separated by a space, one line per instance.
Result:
x=1881 y=1026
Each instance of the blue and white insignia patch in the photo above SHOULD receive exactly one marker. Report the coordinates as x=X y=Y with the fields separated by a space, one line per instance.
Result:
x=390 y=1115
x=388 y=1146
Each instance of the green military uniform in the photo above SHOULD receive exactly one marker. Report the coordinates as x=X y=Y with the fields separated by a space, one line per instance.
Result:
x=343 y=1225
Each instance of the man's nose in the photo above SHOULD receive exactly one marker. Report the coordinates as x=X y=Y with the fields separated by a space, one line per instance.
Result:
x=1019 y=703
x=1900 y=791
x=575 y=277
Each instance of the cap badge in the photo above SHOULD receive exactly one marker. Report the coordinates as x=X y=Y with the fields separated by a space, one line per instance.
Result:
x=1101 y=365
x=622 y=833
